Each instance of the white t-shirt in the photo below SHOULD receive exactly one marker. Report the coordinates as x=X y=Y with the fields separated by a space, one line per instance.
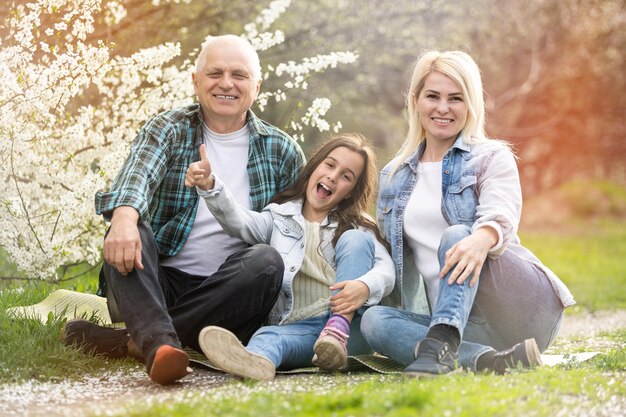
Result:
x=208 y=246
x=424 y=225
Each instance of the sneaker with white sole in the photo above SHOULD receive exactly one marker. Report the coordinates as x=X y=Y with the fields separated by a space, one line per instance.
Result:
x=224 y=350
x=330 y=349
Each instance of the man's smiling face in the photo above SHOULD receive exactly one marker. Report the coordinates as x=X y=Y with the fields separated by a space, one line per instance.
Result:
x=225 y=86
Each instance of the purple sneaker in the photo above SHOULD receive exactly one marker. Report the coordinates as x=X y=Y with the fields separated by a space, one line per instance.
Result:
x=330 y=349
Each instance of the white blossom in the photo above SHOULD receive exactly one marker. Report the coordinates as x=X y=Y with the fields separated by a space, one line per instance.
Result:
x=54 y=155
x=266 y=40
x=115 y=12
x=268 y=16
x=314 y=64
x=256 y=32
x=314 y=115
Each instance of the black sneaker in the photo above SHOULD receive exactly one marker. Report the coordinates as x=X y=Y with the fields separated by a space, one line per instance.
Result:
x=94 y=339
x=433 y=358
x=522 y=355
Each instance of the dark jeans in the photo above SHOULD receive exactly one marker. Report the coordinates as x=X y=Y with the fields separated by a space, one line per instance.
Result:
x=162 y=305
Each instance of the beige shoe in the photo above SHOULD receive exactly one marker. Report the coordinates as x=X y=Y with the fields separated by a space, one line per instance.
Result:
x=225 y=351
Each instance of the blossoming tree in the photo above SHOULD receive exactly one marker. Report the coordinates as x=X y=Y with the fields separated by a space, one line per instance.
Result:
x=69 y=108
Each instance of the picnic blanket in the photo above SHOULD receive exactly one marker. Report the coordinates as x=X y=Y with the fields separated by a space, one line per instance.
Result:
x=360 y=363
x=70 y=304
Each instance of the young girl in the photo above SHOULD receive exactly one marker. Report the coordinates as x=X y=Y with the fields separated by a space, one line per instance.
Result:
x=327 y=243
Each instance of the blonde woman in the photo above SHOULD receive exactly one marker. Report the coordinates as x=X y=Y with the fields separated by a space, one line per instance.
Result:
x=467 y=293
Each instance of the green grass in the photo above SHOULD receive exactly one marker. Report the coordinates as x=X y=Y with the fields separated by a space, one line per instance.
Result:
x=30 y=349
x=391 y=399
x=543 y=392
x=591 y=198
x=589 y=260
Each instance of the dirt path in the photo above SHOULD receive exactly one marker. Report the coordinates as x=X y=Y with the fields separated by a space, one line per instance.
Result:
x=590 y=324
x=102 y=393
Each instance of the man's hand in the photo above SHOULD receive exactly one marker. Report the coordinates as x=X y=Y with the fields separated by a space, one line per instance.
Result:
x=122 y=245
x=352 y=295
x=199 y=173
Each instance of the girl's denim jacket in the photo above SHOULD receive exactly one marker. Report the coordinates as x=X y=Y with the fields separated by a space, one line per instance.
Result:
x=480 y=186
x=282 y=227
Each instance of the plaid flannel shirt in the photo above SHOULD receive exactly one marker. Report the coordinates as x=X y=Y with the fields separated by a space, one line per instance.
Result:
x=152 y=179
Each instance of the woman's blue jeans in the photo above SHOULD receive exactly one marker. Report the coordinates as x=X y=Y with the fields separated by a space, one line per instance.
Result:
x=290 y=346
x=513 y=301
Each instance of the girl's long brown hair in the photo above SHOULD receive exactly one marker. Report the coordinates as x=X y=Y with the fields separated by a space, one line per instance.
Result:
x=352 y=211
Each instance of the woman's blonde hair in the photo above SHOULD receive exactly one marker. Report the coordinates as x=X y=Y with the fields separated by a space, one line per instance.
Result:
x=461 y=68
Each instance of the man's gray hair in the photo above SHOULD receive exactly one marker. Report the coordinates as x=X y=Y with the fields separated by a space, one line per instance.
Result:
x=246 y=46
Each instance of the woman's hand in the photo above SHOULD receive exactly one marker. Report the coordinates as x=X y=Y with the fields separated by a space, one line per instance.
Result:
x=468 y=255
x=352 y=295
x=199 y=173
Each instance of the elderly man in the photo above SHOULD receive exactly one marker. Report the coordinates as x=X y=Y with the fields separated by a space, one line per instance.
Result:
x=169 y=268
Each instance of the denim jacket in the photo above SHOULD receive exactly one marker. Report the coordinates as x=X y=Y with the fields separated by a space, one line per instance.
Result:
x=282 y=226
x=480 y=186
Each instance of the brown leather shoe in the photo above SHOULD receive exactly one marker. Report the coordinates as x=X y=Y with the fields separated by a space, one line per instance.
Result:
x=94 y=339
x=168 y=365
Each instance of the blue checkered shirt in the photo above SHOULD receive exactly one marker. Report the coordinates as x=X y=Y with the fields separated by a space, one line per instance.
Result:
x=152 y=179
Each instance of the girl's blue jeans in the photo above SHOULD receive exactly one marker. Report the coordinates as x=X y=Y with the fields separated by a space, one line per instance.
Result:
x=290 y=346
x=513 y=301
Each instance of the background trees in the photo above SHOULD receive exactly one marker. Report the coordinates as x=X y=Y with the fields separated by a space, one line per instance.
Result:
x=553 y=70
x=72 y=98
x=553 y=73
